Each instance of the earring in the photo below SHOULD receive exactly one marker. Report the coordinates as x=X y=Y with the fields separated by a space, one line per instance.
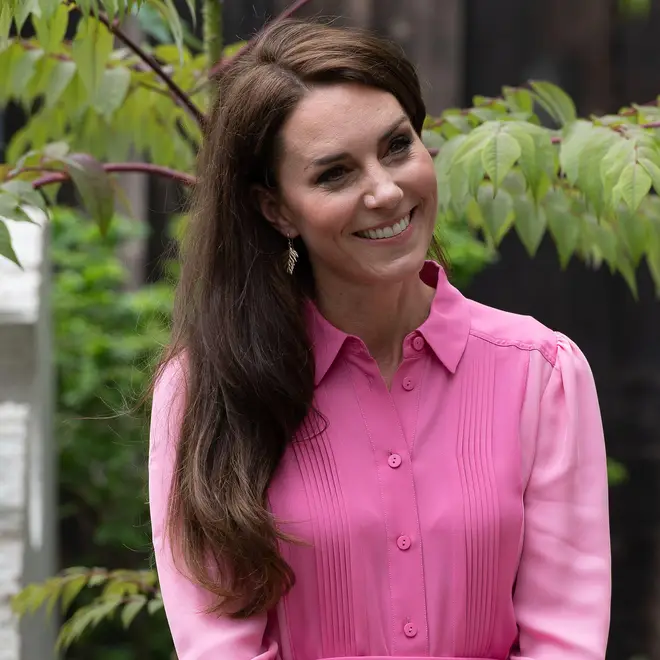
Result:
x=291 y=258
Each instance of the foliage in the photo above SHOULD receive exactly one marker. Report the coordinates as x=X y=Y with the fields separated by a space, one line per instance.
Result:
x=106 y=339
x=124 y=594
x=587 y=182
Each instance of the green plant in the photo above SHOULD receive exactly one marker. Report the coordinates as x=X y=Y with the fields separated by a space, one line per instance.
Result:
x=587 y=182
x=106 y=340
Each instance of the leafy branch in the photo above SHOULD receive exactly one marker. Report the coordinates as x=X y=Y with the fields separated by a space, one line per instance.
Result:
x=150 y=61
x=112 y=168
x=124 y=593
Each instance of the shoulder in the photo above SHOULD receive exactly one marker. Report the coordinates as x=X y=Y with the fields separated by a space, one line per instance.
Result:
x=518 y=331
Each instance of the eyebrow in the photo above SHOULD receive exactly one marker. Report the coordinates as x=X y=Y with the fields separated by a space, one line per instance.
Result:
x=333 y=158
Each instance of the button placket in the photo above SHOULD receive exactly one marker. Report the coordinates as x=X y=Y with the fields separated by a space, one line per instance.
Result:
x=385 y=419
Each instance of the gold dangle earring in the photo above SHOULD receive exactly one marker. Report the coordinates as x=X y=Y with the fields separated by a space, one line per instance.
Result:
x=292 y=257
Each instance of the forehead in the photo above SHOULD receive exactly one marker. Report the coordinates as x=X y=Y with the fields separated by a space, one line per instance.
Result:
x=338 y=117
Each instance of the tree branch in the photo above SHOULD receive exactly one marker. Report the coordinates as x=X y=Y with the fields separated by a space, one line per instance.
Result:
x=146 y=168
x=221 y=66
x=151 y=62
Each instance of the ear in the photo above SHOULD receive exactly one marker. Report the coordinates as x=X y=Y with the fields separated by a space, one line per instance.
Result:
x=274 y=211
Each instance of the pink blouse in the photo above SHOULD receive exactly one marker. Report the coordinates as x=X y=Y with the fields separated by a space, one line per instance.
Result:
x=461 y=514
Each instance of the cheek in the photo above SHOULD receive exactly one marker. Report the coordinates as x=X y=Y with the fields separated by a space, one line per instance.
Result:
x=321 y=213
x=422 y=177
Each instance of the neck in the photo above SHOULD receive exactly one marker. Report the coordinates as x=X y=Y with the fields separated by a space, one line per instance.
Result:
x=381 y=316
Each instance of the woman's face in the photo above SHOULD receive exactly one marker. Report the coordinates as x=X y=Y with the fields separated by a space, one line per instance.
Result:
x=356 y=184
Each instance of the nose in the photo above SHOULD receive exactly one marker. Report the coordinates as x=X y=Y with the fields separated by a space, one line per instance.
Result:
x=383 y=191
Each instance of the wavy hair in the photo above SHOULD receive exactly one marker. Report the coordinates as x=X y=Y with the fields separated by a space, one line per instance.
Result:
x=239 y=318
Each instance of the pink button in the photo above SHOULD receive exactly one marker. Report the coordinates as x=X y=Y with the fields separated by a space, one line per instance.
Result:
x=410 y=630
x=394 y=460
x=418 y=343
x=403 y=542
x=408 y=384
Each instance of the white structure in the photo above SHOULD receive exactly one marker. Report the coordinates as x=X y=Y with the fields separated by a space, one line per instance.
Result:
x=28 y=514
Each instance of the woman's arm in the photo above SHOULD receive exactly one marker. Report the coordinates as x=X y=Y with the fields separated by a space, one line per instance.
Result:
x=562 y=594
x=197 y=636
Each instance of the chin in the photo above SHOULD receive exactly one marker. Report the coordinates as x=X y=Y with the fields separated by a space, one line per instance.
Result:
x=398 y=269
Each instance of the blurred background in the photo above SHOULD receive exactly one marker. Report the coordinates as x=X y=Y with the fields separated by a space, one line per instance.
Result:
x=604 y=53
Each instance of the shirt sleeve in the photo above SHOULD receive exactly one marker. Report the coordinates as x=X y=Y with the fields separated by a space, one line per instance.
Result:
x=562 y=593
x=196 y=635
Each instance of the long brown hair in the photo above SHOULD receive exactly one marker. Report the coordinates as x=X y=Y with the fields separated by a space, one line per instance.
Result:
x=240 y=318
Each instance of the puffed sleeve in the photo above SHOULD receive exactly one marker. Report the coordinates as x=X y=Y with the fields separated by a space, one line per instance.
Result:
x=197 y=636
x=562 y=592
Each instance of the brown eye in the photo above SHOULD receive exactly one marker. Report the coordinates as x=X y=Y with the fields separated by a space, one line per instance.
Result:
x=332 y=175
x=400 y=144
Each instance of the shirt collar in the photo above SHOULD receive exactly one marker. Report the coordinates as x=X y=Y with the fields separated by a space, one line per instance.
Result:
x=445 y=330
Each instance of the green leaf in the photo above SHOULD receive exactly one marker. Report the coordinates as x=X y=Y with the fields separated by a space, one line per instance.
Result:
x=633 y=186
x=6 y=247
x=175 y=25
x=528 y=161
x=11 y=210
x=571 y=148
x=132 y=609
x=530 y=223
x=475 y=141
x=653 y=252
x=90 y=51
x=497 y=212
x=112 y=91
x=71 y=590
x=633 y=230
x=24 y=192
x=518 y=99
x=97 y=579
x=60 y=79
x=192 y=10
x=154 y=605
x=653 y=171
x=443 y=165
x=48 y=7
x=94 y=186
x=56 y=150
x=51 y=30
x=594 y=150
x=25 y=8
x=619 y=155
x=555 y=101
x=22 y=69
x=499 y=154
x=563 y=225
x=5 y=26
x=627 y=269
x=600 y=238
x=86 y=617
x=112 y=7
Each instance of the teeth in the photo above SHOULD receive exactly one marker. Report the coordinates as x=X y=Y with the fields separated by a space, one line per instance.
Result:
x=386 y=232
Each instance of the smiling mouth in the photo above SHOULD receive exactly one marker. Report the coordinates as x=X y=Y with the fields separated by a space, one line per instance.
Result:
x=387 y=232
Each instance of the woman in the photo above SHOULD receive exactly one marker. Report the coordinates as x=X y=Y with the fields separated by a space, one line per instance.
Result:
x=348 y=457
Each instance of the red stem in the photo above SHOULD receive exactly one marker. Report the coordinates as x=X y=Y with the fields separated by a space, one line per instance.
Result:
x=220 y=66
x=151 y=62
x=147 y=168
